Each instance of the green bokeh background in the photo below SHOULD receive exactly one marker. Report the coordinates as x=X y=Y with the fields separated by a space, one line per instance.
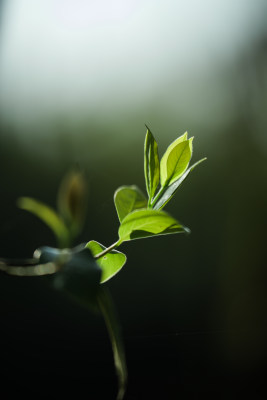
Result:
x=192 y=308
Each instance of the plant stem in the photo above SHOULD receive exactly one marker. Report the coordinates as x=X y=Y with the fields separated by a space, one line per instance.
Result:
x=114 y=330
x=159 y=194
x=108 y=249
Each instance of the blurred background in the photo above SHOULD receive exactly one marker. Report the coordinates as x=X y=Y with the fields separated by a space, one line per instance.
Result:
x=78 y=82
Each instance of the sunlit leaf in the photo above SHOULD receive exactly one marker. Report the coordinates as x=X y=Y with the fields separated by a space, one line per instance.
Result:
x=151 y=164
x=48 y=216
x=170 y=190
x=111 y=263
x=163 y=161
x=145 y=223
x=127 y=199
x=175 y=162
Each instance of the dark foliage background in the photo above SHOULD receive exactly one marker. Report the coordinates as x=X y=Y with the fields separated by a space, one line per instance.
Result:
x=193 y=309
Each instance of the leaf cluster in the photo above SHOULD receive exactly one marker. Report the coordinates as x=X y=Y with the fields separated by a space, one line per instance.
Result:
x=80 y=271
x=140 y=216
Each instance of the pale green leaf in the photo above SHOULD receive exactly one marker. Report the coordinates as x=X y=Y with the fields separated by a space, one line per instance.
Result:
x=110 y=263
x=170 y=190
x=48 y=216
x=151 y=164
x=163 y=161
x=128 y=199
x=175 y=163
x=144 y=223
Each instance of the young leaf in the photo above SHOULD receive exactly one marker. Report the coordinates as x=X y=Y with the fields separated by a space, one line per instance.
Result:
x=175 y=162
x=48 y=216
x=151 y=164
x=128 y=199
x=144 y=223
x=170 y=191
x=164 y=158
x=110 y=263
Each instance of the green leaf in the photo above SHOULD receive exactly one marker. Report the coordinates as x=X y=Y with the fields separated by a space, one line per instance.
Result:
x=110 y=263
x=151 y=164
x=170 y=190
x=128 y=199
x=180 y=139
x=144 y=223
x=48 y=216
x=175 y=162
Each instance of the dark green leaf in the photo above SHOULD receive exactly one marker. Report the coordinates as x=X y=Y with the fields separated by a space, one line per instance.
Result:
x=151 y=164
x=145 y=223
x=111 y=263
x=127 y=199
x=79 y=275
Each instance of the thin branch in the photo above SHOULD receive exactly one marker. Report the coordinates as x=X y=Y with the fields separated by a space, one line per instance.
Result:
x=108 y=249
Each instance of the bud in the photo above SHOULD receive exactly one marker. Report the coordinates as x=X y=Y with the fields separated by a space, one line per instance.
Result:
x=72 y=200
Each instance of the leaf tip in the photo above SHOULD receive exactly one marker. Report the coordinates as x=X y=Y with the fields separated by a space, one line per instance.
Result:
x=187 y=230
x=20 y=202
x=200 y=161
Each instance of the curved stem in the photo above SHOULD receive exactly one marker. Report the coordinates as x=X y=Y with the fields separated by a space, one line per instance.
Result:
x=114 y=330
